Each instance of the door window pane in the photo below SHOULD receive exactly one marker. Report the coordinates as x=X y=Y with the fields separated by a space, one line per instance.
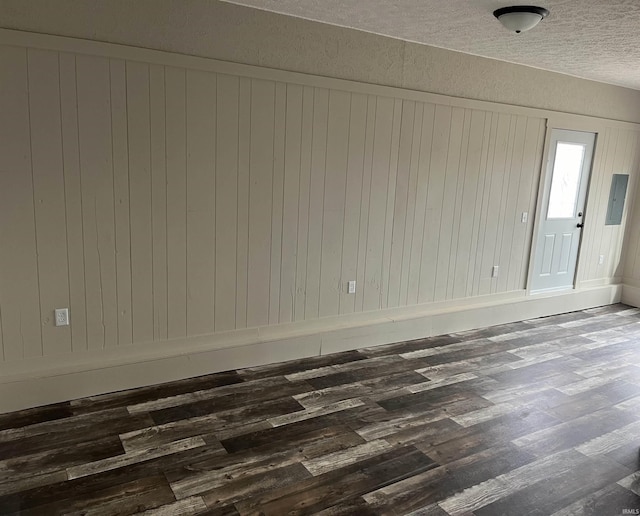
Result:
x=565 y=182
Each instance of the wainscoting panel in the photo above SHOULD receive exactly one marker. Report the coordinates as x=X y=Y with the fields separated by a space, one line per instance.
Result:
x=191 y=202
x=165 y=198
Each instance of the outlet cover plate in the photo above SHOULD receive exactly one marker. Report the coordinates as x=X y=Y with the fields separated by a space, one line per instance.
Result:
x=62 y=317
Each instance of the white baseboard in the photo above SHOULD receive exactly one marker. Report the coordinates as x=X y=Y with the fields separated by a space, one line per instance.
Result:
x=631 y=295
x=600 y=282
x=45 y=380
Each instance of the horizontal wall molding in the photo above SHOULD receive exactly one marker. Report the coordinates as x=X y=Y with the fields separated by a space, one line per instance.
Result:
x=115 y=51
x=51 y=380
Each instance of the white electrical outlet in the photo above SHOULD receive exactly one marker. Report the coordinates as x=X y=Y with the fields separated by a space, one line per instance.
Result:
x=494 y=271
x=351 y=287
x=62 y=317
x=601 y=259
x=525 y=217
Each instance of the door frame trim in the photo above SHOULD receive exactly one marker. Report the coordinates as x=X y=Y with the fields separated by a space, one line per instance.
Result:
x=542 y=182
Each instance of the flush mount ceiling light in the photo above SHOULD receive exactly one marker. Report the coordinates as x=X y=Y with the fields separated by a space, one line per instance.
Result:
x=520 y=18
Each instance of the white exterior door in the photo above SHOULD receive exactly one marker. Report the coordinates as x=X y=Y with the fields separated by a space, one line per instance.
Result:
x=561 y=218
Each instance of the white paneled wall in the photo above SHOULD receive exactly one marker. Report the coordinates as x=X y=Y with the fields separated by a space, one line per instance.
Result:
x=631 y=265
x=618 y=153
x=162 y=202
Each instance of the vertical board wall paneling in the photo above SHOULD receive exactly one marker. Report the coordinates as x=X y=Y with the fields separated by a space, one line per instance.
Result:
x=157 y=122
x=631 y=234
x=193 y=202
x=627 y=236
x=588 y=245
x=364 y=204
x=458 y=207
x=450 y=203
x=437 y=135
x=201 y=138
x=303 y=203
x=277 y=201
x=291 y=190
x=503 y=223
x=501 y=256
x=468 y=206
x=381 y=159
x=409 y=271
x=616 y=266
x=615 y=164
x=260 y=201
x=491 y=202
x=420 y=240
x=478 y=200
x=506 y=278
x=96 y=168
x=391 y=199
x=120 y=139
x=19 y=279
x=334 y=203
x=399 y=218
x=531 y=173
x=244 y=165
x=465 y=203
x=616 y=153
x=49 y=195
x=140 y=200
x=353 y=196
x=491 y=124
x=316 y=200
x=603 y=161
x=73 y=200
x=176 y=149
x=627 y=165
x=633 y=269
x=228 y=90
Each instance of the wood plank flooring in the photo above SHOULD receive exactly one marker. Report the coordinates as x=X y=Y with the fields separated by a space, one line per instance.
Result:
x=537 y=417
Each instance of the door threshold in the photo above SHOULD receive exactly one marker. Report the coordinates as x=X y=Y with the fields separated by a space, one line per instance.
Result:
x=550 y=290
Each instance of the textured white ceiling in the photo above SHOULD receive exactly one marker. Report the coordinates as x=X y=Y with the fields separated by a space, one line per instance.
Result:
x=594 y=39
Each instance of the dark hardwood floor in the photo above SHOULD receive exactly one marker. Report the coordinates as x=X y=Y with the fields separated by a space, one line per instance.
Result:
x=537 y=417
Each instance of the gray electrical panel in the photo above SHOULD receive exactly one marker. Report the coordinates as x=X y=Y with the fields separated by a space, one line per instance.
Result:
x=617 y=195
